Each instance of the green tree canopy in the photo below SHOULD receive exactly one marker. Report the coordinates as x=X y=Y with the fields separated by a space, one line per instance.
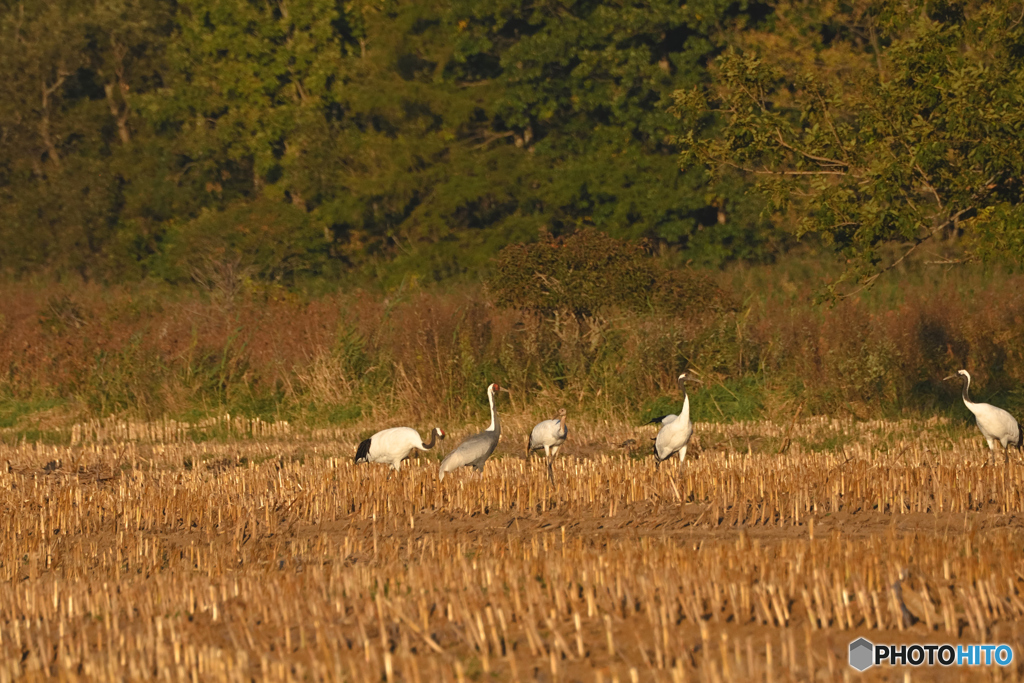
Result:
x=381 y=137
x=878 y=123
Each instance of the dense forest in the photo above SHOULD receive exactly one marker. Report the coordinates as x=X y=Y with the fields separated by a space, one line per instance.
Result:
x=308 y=137
x=319 y=137
x=294 y=153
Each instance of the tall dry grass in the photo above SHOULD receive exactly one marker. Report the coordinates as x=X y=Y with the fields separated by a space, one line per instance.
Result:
x=420 y=355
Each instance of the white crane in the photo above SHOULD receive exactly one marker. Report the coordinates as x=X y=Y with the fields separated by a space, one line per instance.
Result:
x=675 y=435
x=392 y=446
x=549 y=435
x=996 y=424
x=477 y=448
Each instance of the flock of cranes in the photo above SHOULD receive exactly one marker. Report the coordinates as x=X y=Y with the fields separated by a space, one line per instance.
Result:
x=392 y=446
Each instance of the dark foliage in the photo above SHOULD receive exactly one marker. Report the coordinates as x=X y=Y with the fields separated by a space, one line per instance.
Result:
x=319 y=139
x=588 y=271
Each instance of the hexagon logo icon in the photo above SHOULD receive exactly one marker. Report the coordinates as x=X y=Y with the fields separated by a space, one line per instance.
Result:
x=861 y=654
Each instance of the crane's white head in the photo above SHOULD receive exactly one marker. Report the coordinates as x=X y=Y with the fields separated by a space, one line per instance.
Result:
x=495 y=388
x=687 y=377
x=960 y=374
x=440 y=432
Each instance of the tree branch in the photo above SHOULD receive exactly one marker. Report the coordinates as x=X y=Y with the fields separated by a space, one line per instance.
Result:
x=753 y=171
x=931 y=233
x=828 y=118
x=121 y=117
x=44 y=121
x=492 y=138
x=759 y=100
x=876 y=50
x=949 y=262
x=812 y=157
x=928 y=184
x=17 y=25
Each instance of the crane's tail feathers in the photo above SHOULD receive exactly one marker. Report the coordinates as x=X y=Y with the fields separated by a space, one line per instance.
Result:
x=363 y=451
x=656 y=420
x=1020 y=438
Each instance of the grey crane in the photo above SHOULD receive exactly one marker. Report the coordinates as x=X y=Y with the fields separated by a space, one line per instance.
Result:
x=392 y=446
x=675 y=435
x=995 y=424
x=477 y=448
x=549 y=435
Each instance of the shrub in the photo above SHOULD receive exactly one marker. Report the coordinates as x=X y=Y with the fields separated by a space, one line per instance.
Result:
x=588 y=271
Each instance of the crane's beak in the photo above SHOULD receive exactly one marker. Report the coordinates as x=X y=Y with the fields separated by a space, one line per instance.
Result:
x=950 y=377
x=505 y=390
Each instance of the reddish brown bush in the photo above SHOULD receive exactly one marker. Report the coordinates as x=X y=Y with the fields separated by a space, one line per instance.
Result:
x=425 y=354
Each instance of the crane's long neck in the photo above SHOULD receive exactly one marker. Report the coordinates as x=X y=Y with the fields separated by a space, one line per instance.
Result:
x=684 y=414
x=495 y=422
x=563 y=429
x=967 y=386
x=433 y=438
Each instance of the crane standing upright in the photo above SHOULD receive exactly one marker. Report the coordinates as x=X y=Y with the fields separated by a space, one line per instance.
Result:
x=476 y=449
x=549 y=435
x=392 y=446
x=995 y=424
x=675 y=435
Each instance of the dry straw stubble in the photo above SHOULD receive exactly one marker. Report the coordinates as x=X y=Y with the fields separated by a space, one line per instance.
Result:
x=276 y=558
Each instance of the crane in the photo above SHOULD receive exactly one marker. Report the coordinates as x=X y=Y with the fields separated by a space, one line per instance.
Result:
x=549 y=435
x=675 y=435
x=477 y=448
x=995 y=424
x=392 y=446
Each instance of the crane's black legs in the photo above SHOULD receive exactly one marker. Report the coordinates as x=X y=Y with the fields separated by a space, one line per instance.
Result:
x=551 y=472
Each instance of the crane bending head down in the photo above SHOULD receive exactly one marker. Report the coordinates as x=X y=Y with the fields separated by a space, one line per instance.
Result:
x=549 y=435
x=392 y=446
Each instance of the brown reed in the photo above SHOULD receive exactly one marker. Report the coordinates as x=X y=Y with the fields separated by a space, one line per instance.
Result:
x=68 y=352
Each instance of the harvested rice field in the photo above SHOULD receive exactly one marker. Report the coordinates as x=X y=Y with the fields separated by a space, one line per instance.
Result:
x=243 y=551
